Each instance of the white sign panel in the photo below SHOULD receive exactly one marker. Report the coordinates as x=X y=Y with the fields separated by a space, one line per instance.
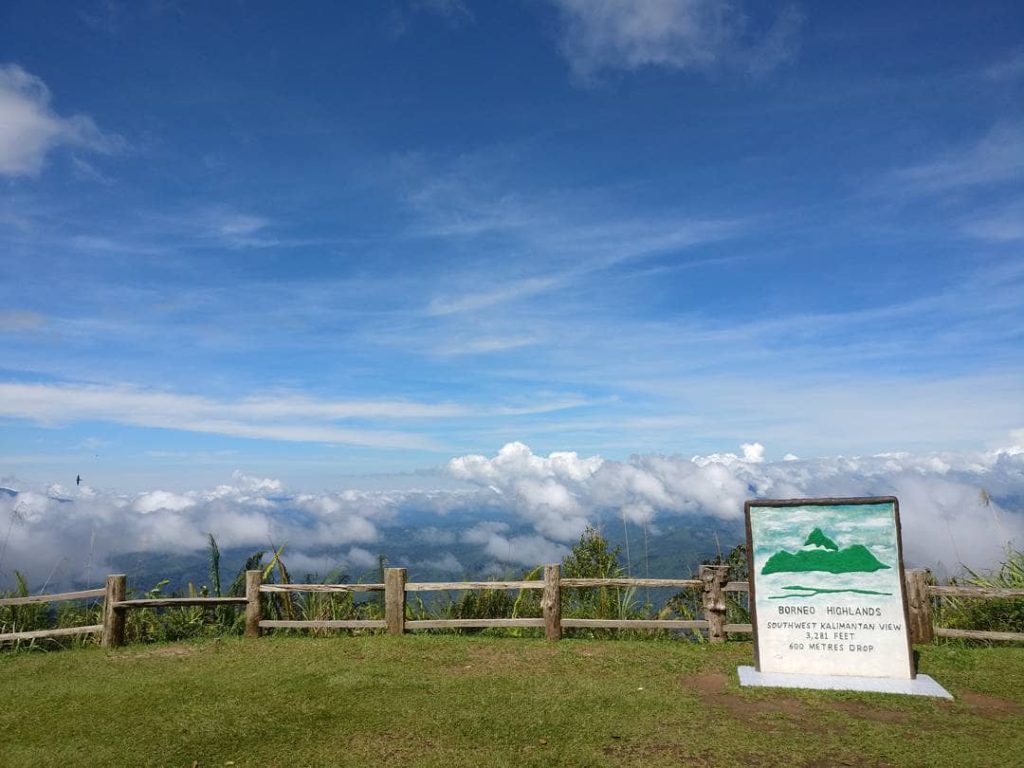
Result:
x=827 y=590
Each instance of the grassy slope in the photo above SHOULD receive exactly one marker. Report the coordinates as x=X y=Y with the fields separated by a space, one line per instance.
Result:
x=449 y=700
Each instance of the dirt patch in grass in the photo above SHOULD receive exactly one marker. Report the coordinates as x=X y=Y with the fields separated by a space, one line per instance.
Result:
x=711 y=688
x=592 y=651
x=160 y=652
x=875 y=714
x=991 y=706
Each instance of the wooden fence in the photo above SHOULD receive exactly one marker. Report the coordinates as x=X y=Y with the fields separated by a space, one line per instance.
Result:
x=712 y=583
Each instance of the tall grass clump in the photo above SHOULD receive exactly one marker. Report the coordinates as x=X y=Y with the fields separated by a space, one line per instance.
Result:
x=993 y=614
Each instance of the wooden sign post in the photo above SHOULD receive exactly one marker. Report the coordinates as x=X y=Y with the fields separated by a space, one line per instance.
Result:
x=827 y=596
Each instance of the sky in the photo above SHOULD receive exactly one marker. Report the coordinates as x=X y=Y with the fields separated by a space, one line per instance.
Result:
x=348 y=245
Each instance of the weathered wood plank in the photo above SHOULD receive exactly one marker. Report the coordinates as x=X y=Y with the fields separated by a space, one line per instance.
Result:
x=80 y=595
x=739 y=628
x=324 y=624
x=394 y=600
x=432 y=586
x=40 y=633
x=737 y=586
x=635 y=623
x=322 y=588
x=981 y=592
x=978 y=634
x=113 y=619
x=175 y=602
x=551 y=602
x=675 y=583
x=253 y=602
x=472 y=623
x=919 y=606
x=713 y=578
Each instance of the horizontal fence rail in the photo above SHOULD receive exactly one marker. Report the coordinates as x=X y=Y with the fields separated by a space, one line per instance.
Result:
x=322 y=624
x=84 y=594
x=472 y=623
x=979 y=634
x=321 y=588
x=45 y=633
x=40 y=634
x=635 y=623
x=713 y=585
x=451 y=586
x=919 y=602
x=976 y=592
x=627 y=583
x=179 y=602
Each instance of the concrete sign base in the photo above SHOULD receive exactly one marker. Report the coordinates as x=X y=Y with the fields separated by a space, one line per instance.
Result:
x=922 y=685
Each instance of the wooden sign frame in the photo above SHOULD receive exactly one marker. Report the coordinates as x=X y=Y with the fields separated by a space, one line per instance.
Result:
x=824 y=502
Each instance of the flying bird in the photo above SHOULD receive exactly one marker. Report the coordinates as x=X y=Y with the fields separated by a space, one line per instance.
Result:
x=78 y=480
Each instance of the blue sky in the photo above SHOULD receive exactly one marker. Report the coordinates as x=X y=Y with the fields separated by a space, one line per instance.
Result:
x=348 y=239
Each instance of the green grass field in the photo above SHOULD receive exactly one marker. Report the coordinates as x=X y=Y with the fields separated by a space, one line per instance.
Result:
x=475 y=701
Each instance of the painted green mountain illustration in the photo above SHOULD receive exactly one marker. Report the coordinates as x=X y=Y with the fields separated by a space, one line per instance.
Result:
x=821 y=540
x=827 y=557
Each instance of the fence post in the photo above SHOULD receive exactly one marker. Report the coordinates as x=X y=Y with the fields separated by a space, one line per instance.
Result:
x=714 y=577
x=254 y=603
x=113 y=618
x=551 y=602
x=919 y=606
x=394 y=600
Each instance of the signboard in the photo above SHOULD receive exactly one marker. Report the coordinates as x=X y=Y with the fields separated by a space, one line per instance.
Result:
x=827 y=594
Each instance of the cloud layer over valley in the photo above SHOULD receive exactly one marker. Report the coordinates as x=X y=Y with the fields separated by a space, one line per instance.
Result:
x=517 y=509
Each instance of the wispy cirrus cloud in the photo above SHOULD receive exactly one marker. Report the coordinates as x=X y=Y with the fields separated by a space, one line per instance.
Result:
x=995 y=158
x=485 y=345
x=683 y=35
x=15 y=320
x=1008 y=68
x=551 y=240
x=1003 y=224
x=30 y=129
x=287 y=418
x=477 y=300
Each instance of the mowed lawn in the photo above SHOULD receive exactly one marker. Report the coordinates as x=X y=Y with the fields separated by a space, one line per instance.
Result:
x=476 y=701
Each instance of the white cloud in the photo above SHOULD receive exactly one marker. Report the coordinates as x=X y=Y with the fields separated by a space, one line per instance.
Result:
x=955 y=509
x=446 y=564
x=542 y=489
x=157 y=500
x=527 y=551
x=753 y=453
x=30 y=129
x=944 y=516
x=694 y=35
x=357 y=557
x=51 y=529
